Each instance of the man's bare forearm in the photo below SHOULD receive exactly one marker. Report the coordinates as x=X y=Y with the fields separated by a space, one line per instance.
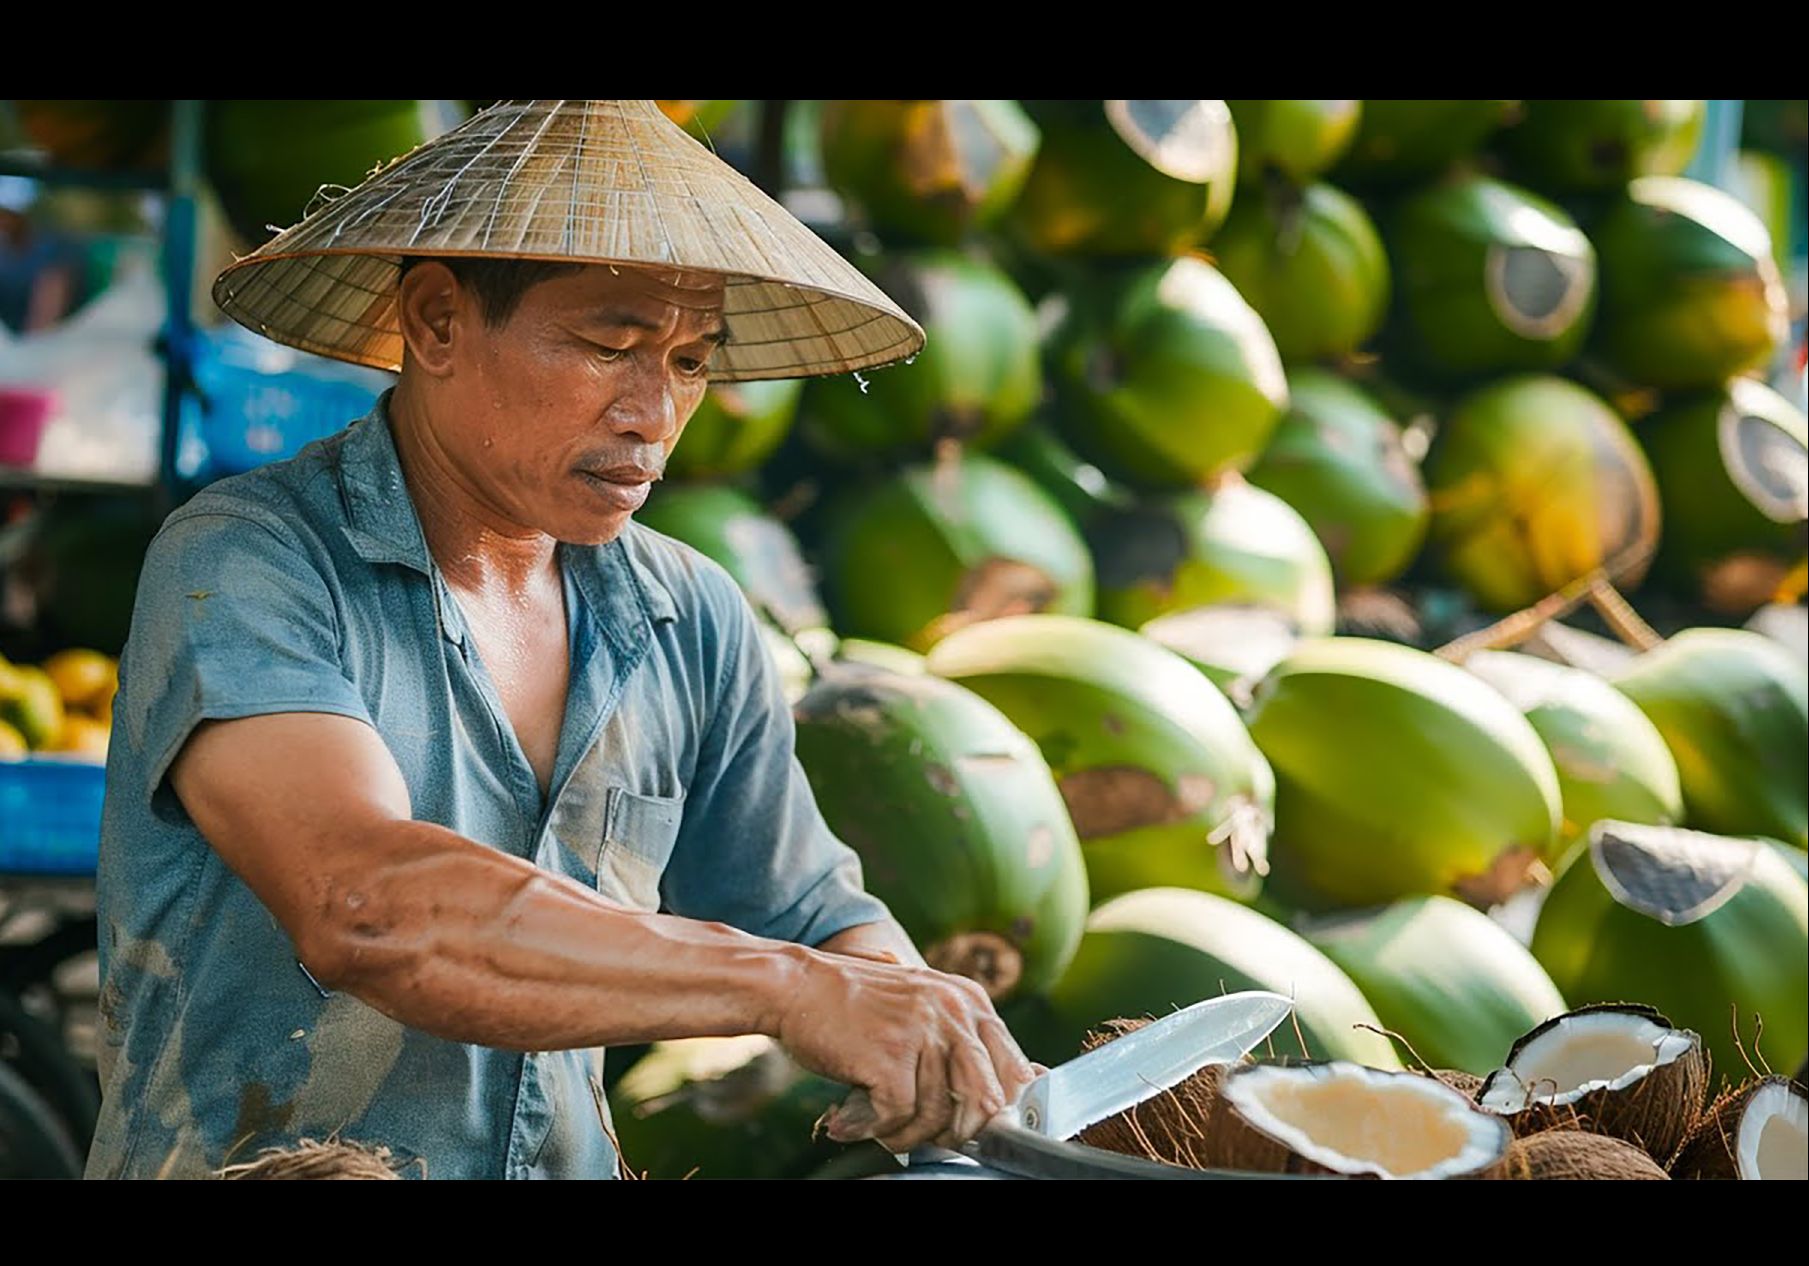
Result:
x=476 y=946
x=884 y=939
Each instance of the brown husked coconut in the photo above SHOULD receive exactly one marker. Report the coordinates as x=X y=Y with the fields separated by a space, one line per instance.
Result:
x=1336 y=1117
x=1169 y=1127
x=1759 y=1131
x=1571 y=1154
x=1620 y=1070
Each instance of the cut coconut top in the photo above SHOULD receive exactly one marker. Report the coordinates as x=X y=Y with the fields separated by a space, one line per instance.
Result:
x=1774 y=1133
x=1359 y=1120
x=1667 y=873
x=1565 y=1059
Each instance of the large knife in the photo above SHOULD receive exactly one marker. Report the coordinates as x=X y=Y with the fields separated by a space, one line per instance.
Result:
x=1028 y=1138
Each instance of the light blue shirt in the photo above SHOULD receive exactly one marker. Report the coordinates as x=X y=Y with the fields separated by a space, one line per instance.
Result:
x=307 y=586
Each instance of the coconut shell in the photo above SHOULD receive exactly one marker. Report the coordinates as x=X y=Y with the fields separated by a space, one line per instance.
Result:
x=1572 y=1154
x=1655 y=1113
x=1709 y=1152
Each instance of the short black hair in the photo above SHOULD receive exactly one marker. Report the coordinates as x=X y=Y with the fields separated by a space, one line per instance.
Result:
x=499 y=284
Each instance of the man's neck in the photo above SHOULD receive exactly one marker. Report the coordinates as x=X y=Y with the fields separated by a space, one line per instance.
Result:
x=477 y=546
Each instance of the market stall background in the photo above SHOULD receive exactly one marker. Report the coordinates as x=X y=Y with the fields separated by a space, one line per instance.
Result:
x=1308 y=523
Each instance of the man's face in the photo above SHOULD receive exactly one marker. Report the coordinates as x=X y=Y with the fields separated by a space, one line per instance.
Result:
x=568 y=411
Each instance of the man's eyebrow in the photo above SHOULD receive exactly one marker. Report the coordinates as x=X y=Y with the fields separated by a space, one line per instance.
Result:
x=623 y=317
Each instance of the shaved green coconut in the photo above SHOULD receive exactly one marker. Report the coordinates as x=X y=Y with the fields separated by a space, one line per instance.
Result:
x=1398 y=773
x=1151 y=952
x=1342 y=1118
x=1294 y=139
x=1733 y=473
x=976 y=380
x=757 y=549
x=1311 y=263
x=1535 y=482
x=721 y=1107
x=1618 y=1070
x=1611 y=761
x=1079 y=486
x=894 y=659
x=1734 y=710
x=1400 y=142
x=938 y=547
x=1235 y=646
x=1711 y=930
x=1234 y=544
x=1127 y=178
x=1339 y=459
x=1447 y=978
x=957 y=820
x=1165 y=377
x=1588 y=146
x=1691 y=295
x=1787 y=624
x=1490 y=278
x=1758 y=1132
x=1161 y=779
x=928 y=171
x=737 y=427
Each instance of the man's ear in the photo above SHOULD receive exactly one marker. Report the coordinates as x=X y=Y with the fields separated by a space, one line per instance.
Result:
x=428 y=305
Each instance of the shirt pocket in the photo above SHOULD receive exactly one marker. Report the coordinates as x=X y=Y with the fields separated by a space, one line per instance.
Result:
x=639 y=833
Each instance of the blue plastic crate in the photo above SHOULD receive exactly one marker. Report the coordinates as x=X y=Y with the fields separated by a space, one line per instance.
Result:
x=50 y=816
x=262 y=402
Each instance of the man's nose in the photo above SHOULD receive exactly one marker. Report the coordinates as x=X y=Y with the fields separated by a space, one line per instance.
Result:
x=645 y=408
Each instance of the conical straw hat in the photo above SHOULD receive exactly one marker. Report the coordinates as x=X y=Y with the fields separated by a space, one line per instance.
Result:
x=588 y=181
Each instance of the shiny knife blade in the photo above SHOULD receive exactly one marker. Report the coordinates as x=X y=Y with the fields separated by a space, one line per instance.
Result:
x=1162 y=1054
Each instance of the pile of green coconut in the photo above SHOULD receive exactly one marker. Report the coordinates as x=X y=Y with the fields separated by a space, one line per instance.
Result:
x=1351 y=549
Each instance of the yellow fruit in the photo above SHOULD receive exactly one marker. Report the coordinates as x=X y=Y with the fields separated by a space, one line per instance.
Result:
x=81 y=675
x=12 y=743
x=101 y=706
x=29 y=702
x=82 y=736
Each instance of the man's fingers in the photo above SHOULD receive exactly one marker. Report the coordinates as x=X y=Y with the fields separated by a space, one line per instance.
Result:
x=978 y=1093
x=1014 y=1071
x=935 y=1106
x=891 y=1106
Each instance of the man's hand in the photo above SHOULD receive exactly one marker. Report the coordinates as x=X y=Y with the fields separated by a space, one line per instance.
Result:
x=932 y=1054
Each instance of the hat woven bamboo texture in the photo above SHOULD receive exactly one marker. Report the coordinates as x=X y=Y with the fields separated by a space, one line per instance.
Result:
x=605 y=182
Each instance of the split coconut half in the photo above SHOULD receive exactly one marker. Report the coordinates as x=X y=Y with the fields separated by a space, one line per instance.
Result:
x=1623 y=1070
x=1758 y=1132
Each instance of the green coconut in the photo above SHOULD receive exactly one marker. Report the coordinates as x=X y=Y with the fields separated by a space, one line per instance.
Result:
x=1489 y=278
x=928 y=171
x=1339 y=459
x=1161 y=780
x=1233 y=544
x=957 y=820
x=1294 y=139
x=1590 y=146
x=1400 y=142
x=1733 y=707
x=1080 y=487
x=789 y=660
x=1398 y=773
x=757 y=549
x=1449 y=979
x=976 y=380
x=1153 y=951
x=1127 y=178
x=894 y=659
x=268 y=159
x=1787 y=624
x=1765 y=183
x=1535 y=481
x=1311 y=263
x=935 y=547
x=737 y=427
x=1733 y=473
x=1711 y=930
x=1235 y=646
x=721 y=1107
x=1611 y=761
x=1691 y=295
x=1164 y=376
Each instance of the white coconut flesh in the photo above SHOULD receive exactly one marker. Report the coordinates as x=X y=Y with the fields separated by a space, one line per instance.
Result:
x=1605 y=1050
x=1361 y=1120
x=1774 y=1135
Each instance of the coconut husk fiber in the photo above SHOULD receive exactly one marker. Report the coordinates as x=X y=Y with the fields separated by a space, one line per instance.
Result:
x=311 y=1159
x=1171 y=1127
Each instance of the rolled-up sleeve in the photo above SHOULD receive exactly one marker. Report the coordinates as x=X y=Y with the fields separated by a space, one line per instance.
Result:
x=753 y=851
x=232 y=620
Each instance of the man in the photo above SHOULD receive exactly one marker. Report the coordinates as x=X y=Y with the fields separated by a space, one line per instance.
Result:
x=433 y=774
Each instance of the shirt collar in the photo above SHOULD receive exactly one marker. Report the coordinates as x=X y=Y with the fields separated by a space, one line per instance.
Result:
x=382 y=527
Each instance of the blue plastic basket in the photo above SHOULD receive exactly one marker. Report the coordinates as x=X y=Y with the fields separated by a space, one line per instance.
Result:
x=262 y=402
x=50 y=816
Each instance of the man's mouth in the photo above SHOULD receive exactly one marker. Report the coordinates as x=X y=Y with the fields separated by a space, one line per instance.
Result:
x=624 y=488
